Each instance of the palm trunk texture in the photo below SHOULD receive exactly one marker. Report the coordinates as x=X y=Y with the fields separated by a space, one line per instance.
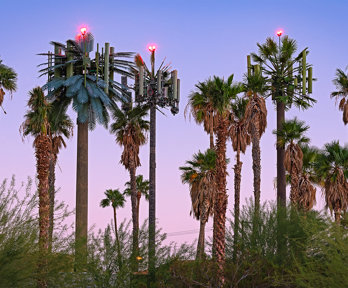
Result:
x=152 y=196
x=256 y=166
x=119 y=255
x=201 y=240
x=135 y=221
x=281 y=181
x=138 y=208
x=237 y=181
x=43 y=152
x=81 y=196
x=52 y=192
x=221 y=199
x=211 y=136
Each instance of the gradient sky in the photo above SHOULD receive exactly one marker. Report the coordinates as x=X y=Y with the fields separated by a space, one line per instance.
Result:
x=200 y=39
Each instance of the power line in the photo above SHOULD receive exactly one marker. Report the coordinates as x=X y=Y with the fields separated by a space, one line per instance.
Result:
x=185 y=232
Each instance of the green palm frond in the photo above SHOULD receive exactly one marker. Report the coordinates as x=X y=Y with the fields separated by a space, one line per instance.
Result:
x=8 y=78
x=292 y=131
x=114 y=198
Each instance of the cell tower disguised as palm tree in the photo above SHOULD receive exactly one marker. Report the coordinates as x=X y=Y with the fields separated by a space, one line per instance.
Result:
x=289 y=82
x=88 y=84
x=155 y=89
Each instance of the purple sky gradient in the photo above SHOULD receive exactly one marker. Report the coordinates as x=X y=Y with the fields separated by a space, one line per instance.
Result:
x=200 y=39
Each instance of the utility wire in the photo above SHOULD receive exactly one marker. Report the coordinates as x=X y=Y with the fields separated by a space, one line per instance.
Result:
x=185 y=232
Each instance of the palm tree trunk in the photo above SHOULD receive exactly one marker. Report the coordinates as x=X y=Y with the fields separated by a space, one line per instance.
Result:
x=119 y=256
x=132 y=172
x=201 y=240
x=43 y=151
x=152 y=196
x=281 y=181
x=256 y=166
x=221 y=199
x=138 y=208
x=211 y=132
x=81 y=196
x=52 y=192
x=237 y=181
x=338 y=217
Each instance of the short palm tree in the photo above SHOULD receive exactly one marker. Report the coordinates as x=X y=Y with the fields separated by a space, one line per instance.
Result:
x=131 y=129
x=223 y=93
x=341 y=83
x=200 y=106
x=36 y=124
x=292 y=137
x=308 y=178
x=200 y=173
x=332 y=169
x=256 y=122
x=8 y=82
x=143 y=187
x=116 y=199
x=240 y=140
x=279 y=66
x=60 y=126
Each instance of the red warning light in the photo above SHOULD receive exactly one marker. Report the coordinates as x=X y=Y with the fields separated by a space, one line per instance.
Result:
x=152 y=48
x=83 y=31
x=279 y=33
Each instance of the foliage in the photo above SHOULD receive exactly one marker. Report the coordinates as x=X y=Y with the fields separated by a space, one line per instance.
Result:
x=341 y=83
x=278 y=66
x=143 y=187
x=8 y=81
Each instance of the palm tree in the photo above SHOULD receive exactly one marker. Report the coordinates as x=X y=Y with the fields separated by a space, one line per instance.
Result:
x=306 y=188
x=200 y=173
x=256 y=119
x=130 y=129
x=332 y=169
x=341 y=83
x=142 y=190
x=60 y=126
x=240 y=139
x=8 y=81
x=292 y=137
x=223 y=93
x=74 y=82
x=278 y=65
x=116 y=199
x=36 y=124
x=200 y=106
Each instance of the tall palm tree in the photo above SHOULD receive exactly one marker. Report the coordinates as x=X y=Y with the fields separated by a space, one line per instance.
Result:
x=292 y=137
x=36 y=124
x=60 y=126
x=8 y=82
x=200 y=106
x=308 y=178
x=240 y=139
x=142 y=190
x=116 y=199
x=85 y=86
x=223 y=93
x=130 y=129
x=256 y=119
x=278 y=65
x=341 y=83
x=200 y=173
x=332 y=169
